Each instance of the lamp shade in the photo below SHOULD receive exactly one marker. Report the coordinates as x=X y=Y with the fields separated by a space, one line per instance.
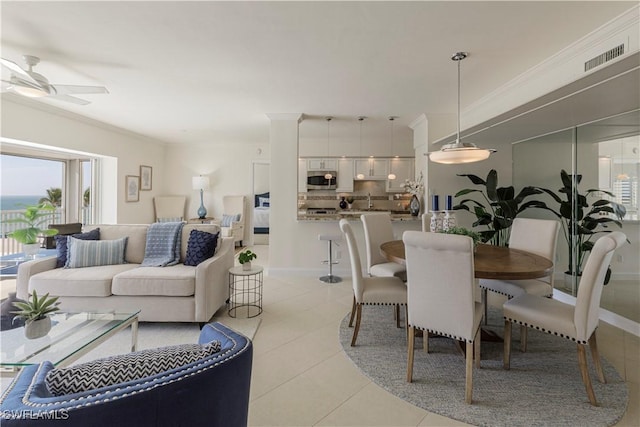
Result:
x=200 y=182
x=460 y=153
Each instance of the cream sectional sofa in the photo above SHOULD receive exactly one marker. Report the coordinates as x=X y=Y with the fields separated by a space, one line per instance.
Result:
x=177 y=293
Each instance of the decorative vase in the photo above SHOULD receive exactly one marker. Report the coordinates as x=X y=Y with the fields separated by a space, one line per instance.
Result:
x=37 y=328
x=343 y=203
x=31 y=249
x=414 y=205
x=246 y=266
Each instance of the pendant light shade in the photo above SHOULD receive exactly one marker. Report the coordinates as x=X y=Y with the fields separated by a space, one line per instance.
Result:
x=460 y=152
x=328 y=119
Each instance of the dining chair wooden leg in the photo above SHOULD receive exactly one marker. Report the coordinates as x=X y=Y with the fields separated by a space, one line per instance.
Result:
x=357 y=327
x=476 y=347
x=523 y=338
x=397 y=315
x=406 y=319
x=353 y=312
x=595 y=355
x=584 y=371
x=425 y=341
x=484 y=302
x=506 y=363
x=469 y=373
x=412 y=337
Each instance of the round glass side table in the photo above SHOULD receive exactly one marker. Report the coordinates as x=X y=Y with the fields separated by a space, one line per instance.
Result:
x=245 y=291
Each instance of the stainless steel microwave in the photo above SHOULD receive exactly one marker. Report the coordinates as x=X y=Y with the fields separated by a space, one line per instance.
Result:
x=322 y=180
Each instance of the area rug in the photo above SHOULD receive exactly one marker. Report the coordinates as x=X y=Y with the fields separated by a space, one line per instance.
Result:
x=543 y=387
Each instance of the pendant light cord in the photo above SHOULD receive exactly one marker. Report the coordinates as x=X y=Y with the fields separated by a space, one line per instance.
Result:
x=458 y=138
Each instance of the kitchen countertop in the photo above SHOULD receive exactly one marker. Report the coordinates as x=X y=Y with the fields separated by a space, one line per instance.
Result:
x=354 y=214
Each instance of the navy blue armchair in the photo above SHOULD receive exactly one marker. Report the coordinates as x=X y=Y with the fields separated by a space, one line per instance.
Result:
x=213 y=391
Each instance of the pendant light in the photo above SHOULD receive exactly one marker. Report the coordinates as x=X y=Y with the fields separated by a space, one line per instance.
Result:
x=328 y=176
x=459 y=152
x=360 y=119
x=391 y=175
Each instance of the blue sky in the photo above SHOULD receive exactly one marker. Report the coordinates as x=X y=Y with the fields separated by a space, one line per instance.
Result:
x=23 y=176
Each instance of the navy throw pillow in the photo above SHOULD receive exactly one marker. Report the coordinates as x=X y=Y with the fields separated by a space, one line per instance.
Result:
x=200 y=247
x=62 y=248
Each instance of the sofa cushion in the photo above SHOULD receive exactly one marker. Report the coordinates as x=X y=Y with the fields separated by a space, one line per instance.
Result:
x=201 y=246
x=186 y=232
x=91 y=253
x=62 y=249
x=137 y=234
x=78 y=282
x=125 y=367
x=177 y=280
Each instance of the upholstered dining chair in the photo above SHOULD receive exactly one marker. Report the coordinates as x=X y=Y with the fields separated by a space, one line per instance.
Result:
x=377 y=230
x=538 y=236
x=388 y=290
x=577 y=323
x=440 y=294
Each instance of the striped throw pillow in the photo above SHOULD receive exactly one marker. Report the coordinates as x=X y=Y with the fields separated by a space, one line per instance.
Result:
x=92 y=253
x=228 y=219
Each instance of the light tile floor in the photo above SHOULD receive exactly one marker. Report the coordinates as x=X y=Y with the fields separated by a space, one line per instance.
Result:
x=301 y=376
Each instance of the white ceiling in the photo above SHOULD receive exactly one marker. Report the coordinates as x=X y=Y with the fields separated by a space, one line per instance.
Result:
x=208 y=72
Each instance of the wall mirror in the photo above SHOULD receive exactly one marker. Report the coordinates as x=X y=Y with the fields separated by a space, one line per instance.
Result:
x=607 y=154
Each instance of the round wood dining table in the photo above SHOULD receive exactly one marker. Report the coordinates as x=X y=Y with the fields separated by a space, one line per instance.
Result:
x=489 y=262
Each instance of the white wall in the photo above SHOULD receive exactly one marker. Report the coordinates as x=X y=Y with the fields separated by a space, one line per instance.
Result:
x=38 y=124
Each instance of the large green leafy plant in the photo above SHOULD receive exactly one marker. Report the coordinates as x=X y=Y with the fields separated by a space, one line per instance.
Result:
x=581 y=222
x=501 y=206
x=34 y=217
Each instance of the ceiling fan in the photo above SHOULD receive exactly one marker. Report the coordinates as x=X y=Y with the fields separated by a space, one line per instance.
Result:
x=33 y=85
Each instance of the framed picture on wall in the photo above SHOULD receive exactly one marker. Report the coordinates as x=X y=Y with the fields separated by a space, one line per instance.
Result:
x=146 y=177
x=132 y=188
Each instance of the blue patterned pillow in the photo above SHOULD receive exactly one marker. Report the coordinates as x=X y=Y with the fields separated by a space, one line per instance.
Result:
x=125 y=367
x=91 y=253
x=228 y=219
x=200 y=247
x=61 y=244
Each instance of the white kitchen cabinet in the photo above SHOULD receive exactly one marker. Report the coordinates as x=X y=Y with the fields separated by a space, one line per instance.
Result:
x=302 y=175
x=345 y=176
x=403 y=169
x=322 y=164
x=371 y=168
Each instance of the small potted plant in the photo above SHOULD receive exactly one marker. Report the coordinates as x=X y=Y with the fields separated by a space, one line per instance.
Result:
x=35 y=312
x=476 y=237
x=245 y=259
x=350 y=200
x=34 y=217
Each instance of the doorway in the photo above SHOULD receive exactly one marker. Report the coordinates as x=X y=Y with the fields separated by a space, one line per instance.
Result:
x=261 y=203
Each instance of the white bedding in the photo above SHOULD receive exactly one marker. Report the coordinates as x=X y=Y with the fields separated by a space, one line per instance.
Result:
x=260 y=217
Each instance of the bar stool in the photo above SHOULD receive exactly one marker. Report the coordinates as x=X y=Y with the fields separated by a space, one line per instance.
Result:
x=330 y=238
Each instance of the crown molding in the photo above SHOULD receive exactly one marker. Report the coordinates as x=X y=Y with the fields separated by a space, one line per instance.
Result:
x=559 y=70
x=422 y=118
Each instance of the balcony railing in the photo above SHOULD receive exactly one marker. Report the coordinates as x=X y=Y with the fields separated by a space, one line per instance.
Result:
x=10 y=246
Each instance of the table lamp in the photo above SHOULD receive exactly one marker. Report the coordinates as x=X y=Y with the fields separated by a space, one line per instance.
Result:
x=201 y=183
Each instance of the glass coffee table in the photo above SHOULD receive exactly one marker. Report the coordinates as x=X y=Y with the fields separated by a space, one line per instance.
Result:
x=72 y=335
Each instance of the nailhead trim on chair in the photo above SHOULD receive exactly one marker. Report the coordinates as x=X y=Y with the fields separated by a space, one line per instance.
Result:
x=547 y=331
x=109 y=394
x=509 y=295
x=381 y=303
x=455 y=337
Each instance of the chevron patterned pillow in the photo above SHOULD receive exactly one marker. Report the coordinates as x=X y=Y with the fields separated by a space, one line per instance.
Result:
x=125 y=367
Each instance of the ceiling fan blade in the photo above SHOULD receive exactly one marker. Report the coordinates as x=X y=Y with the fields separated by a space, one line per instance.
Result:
x=75 y=89
x=21 y=73
x=71 y=99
